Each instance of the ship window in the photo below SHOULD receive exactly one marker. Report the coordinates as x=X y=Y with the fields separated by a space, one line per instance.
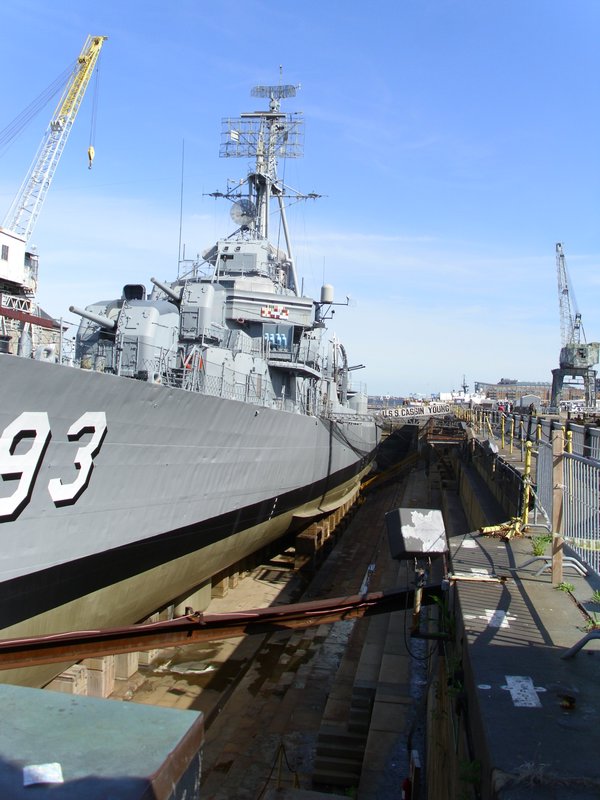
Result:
x=278 y=336
x=4 y=252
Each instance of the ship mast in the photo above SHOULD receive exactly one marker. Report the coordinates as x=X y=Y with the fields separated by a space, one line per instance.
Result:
x=265 y=136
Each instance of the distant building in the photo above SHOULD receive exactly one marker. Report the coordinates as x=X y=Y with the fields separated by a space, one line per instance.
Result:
x=513 y=390
x=509 y=389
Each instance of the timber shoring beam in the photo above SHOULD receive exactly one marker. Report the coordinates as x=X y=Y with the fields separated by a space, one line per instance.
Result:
x=198 y=627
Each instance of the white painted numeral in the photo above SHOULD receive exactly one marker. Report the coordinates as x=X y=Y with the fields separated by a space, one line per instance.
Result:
x=33 y=425
x=91 y=421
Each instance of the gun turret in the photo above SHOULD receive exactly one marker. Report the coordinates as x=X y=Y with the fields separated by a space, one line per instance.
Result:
x=104 y=322
x=176 y=296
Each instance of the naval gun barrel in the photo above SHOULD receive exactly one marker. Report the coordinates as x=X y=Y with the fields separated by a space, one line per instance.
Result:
x=104 y=322
x=167 y=290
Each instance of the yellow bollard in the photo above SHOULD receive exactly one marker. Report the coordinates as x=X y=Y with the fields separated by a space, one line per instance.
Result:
x=512 y=434
x=521 y=437
x=502 y=428
x=569 y=442
x=526 y=483
x=538 y=432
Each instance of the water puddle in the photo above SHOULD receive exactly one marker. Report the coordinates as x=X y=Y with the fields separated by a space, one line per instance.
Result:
x=187 y=668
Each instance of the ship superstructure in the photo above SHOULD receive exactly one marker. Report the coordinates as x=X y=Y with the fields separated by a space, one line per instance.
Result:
x=234 y=325
x=198 y=422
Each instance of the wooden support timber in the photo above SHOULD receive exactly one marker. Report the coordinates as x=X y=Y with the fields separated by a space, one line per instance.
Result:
x=197 y=627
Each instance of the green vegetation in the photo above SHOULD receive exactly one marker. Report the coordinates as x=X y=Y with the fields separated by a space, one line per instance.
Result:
x=592 y=623
x=565 y=587
x=539 y=544
x=596 y=597
x=446 y=620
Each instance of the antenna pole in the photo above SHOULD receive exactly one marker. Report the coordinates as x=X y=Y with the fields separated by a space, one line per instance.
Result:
x=288 y=244
x=180 y=206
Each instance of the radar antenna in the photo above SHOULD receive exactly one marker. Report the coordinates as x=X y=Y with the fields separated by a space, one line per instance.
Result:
x=264 y=136
x=278 y=92
x=275 y=93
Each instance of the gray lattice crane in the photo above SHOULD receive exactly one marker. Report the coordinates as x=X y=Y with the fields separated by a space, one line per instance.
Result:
x=577 y=357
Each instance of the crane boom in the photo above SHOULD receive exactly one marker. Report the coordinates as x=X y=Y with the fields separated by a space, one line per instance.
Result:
x=570 y=318
x=577 y=357
x=26 y=206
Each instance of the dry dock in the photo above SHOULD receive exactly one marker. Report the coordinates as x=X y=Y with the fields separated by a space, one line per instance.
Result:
x=489 y=707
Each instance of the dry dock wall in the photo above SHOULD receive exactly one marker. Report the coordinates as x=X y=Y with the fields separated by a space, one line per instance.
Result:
x=489 y=489
x=459 y=761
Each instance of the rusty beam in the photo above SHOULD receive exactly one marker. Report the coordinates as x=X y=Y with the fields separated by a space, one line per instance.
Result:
x=193 y=628
x=34 y=319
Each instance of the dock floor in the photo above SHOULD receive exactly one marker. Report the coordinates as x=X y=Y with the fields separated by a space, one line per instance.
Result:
x=531 y=714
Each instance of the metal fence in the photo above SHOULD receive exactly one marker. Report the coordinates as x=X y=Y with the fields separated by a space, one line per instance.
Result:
x=543 y=482
x=580 y=485
x=580 y=479
x=581 y=508
x=585 y=439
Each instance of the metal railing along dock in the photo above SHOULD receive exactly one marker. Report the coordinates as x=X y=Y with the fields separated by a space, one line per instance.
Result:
x=564 y=481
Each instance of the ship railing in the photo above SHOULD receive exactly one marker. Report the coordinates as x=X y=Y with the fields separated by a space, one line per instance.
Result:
x=218 y=380
x=286 y=404
x=287 y=355
x=173 y=376
x=357 y=387
x=336 y=413
x=232 y=385
x=309 y=404
x=351 y=416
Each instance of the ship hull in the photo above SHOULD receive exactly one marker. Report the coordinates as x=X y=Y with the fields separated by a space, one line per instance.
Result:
x=119 y=495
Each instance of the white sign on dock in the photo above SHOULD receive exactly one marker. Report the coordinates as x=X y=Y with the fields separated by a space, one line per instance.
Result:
x=403 y=412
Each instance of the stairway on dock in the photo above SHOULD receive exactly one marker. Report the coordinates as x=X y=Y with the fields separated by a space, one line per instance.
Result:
x=370 y=707
x=336 y=697
x=347 y=718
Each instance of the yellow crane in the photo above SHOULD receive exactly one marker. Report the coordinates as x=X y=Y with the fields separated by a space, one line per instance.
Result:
x=26 y=206
x=20 y=320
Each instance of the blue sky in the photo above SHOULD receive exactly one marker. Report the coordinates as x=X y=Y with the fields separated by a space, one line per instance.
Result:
x=454 y=143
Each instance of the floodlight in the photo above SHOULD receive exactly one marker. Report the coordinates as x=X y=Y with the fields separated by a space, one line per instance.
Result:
x=416 y=532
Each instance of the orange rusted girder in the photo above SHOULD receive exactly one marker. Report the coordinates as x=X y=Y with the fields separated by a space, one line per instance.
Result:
x=198 y=627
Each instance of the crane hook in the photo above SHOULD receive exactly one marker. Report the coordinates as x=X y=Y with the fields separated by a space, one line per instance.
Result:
x=91 y=154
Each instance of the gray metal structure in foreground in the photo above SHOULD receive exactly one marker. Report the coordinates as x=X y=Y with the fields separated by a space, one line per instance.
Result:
x=100 y=749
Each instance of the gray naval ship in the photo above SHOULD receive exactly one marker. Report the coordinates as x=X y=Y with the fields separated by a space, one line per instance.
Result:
x=196 y=423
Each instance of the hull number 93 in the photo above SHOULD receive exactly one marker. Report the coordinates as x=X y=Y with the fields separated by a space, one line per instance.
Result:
x=23 y=467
